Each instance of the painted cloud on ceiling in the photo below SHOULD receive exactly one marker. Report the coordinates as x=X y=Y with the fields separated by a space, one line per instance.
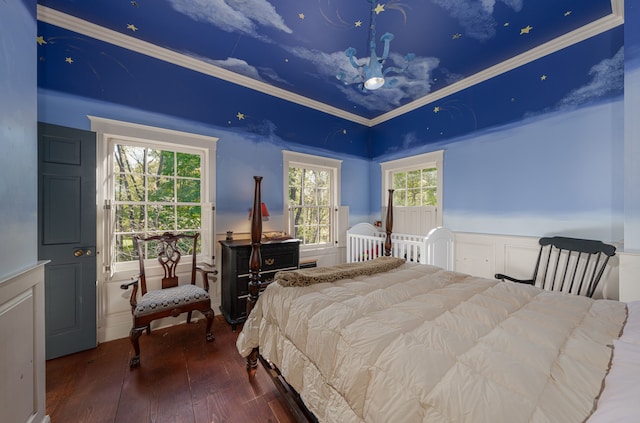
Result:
x=233 y=15
x=476 y=16
x=606 y=77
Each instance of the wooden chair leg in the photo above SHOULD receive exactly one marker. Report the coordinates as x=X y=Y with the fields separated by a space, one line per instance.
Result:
x=148 y=329
x=134 y=336
x=209 y=315
x=188 y=317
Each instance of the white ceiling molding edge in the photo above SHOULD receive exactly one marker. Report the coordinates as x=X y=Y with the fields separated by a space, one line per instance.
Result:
x=594 y=28
x=71 y=23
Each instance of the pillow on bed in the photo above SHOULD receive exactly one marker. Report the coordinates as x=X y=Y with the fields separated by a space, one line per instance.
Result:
x=619 y=401
x=313 y=275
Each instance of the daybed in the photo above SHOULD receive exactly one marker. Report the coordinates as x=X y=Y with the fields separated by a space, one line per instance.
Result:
x=418 y=343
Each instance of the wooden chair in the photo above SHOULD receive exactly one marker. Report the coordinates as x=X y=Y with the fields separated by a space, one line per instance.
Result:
x=172 y=299
x=569 y=265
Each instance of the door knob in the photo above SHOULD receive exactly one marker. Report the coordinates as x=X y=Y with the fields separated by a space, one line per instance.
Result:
x=78 y=252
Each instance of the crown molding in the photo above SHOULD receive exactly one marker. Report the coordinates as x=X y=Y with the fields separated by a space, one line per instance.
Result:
x=596 y=27
x=72 y=23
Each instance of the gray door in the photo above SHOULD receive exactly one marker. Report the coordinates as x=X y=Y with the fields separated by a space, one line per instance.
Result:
x=67 y=236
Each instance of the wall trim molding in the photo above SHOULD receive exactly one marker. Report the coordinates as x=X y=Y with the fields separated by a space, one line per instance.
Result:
x=72 y=23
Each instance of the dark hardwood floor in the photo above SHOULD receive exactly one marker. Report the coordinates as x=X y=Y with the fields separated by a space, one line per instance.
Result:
x=182 y=378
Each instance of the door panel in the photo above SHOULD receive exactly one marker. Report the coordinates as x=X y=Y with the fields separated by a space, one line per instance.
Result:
x=67 y=236
x=61 y=200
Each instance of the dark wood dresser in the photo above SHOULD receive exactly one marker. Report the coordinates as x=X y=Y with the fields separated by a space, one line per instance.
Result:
x=276 y=255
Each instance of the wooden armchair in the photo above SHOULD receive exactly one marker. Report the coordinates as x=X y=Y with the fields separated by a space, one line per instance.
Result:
x=172 y=299
x=569 y=265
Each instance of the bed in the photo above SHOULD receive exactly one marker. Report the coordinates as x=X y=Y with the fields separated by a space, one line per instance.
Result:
x=393 y=340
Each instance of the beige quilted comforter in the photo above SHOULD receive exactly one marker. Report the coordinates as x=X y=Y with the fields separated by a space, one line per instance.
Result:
x=420 y=344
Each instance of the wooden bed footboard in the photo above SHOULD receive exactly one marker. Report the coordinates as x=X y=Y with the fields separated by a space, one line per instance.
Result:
x=256 y=260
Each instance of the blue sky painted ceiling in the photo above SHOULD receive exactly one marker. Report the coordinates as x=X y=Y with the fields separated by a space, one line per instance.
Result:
x=477 y=63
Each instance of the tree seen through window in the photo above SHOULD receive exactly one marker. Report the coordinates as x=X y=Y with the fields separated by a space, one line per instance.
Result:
x=415 y=188
x=310 y=204
x=155 y=191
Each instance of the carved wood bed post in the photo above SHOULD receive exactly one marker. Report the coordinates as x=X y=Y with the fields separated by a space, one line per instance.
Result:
x=255 y=262
x=389 y=224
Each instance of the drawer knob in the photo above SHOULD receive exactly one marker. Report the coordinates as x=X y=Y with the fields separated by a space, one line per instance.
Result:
x=269 y=261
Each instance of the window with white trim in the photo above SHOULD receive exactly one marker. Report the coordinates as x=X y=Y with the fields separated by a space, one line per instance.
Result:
x=415 y=187
x=157 y=189
x=417 y=182
x=312 y=198
x=154 y=180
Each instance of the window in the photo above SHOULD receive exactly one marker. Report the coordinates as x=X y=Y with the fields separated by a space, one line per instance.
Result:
x=312 y=198
x=417 y=197
x=155 y=180
x=418 y=187
x=155 y=191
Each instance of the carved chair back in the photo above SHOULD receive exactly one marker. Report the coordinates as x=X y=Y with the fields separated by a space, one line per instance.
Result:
x=168 y=248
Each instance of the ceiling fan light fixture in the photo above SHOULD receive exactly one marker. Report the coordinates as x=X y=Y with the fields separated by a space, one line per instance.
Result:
x=370 y=75
x=374 y=83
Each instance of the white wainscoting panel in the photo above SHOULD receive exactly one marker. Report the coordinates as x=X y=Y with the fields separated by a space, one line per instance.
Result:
x=629 y=276
x=22 y=355
x=475 y=254
x=485 y=255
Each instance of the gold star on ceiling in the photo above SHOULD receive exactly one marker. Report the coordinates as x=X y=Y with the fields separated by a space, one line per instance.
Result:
x=379 y=9
x=543 y=78
x=436 y=109
x=456 y=36
x=526 y=29
x=40 y=40
x=132 y=27
x=134 y=3
x=567 y=13
x=358 y=24
x=68 y=60
x=240 y=116
x=506 y=24
x=301 y=15
x=344 y=131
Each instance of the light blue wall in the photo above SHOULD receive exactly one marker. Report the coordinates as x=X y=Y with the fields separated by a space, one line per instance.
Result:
x=559 y=173
x=555 y=174
x=240 y=156
x=18 y=161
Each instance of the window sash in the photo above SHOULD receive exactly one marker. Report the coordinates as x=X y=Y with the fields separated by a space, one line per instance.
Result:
x=415 y=187
x=326 y=199
x=149 y=208
x=310 y=217
x=434 y=159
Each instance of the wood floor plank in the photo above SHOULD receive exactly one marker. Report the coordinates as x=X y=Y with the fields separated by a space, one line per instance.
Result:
x=182 y=378
x=95 y=379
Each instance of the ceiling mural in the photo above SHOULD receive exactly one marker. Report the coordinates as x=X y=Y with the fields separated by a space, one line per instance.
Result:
x=478 y=61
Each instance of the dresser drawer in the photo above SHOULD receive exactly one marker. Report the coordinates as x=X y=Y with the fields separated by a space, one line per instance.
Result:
x=273 y=257
x=242 y=283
